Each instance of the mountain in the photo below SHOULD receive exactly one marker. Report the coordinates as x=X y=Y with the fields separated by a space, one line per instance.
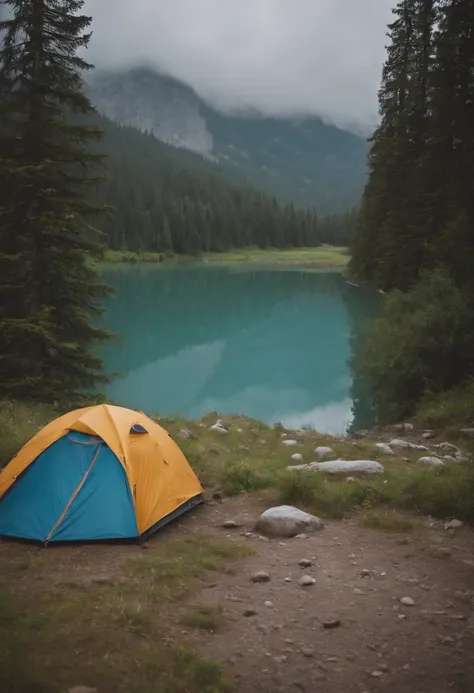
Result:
x=303 y=161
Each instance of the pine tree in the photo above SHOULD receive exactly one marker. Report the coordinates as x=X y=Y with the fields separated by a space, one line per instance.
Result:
x=49 y=293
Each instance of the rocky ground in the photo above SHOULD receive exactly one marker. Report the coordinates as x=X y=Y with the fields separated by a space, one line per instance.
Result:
x=386 y=612
x=381 y=600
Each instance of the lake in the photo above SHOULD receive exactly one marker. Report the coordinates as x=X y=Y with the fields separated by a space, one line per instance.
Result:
x=273 y=344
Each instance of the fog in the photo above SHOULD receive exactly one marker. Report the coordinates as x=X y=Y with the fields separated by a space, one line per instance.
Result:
x=281 y=57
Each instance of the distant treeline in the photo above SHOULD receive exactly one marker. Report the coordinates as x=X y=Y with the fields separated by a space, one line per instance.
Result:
x=169 y=200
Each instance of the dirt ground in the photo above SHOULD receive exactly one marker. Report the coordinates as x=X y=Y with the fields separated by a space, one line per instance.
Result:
x=380 y=645
x=286 y=645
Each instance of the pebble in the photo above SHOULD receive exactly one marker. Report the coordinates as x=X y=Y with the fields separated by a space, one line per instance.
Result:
x=230 y=524
x=365 y=573
x=407 y=601
x=306 y=581
x=297 y=457
x=269 y=604
x=250 y=612
x=280 y=659
x=260 y=576
x=305 y=563
x=334 y=623
x=289 y=443
x=307 y=652
x=453 y=524
x=377 y=674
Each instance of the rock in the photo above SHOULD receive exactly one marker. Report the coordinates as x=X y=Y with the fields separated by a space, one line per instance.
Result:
x=407 y=601
x=404 y=427
x=305 y=563
x=288 y=579
x=427 y=435
x=432 y=461
x=286 y=521
x=218 y=496
x=453 y=524
x=230 y=524
x=384 y=449
x=440 y=551
x=297 y=456
x=297 y=467
x=365 y=572
x=185 y=433
x=447 y=446
x=405 y=444
x=280 y=659
x=289 y=443
x=332 y=623
x=249 y=612
x=82 y=689
x=220 y=429
x=323 y=452
x=468 y=432
x=269 y=604
x=260 y=576
x=306 y=581
x=362 y=433
x=307 y=652
x=346 y=467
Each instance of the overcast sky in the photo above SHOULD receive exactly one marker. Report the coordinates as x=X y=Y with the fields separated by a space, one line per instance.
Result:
x=281 y=57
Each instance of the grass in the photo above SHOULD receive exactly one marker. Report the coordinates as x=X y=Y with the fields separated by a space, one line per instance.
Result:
x=19 y=421
x=168 y=574
x=208 y=618
x=111 y=636
x=324 y=257
x=386 y=520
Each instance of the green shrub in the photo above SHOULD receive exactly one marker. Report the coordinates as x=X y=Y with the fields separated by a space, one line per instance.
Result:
x=241 y=477
x=420 y=345
x=454 y=408
x=298 y=488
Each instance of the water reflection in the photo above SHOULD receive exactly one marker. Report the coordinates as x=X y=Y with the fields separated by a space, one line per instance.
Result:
x=269 y=344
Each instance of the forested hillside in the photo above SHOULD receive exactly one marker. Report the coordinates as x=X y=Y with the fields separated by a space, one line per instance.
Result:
x=418 y=206
x=415 y=231
x=168 y=199
x=304 y=161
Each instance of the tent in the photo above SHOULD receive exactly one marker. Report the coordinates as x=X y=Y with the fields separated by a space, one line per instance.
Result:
x=97 y=473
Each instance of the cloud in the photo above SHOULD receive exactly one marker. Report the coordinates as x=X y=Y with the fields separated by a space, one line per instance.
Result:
x=282 y=57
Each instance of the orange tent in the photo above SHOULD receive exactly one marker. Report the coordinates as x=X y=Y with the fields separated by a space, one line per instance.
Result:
x=102 y=472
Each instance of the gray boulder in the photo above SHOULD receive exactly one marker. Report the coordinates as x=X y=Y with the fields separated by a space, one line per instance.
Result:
x=322 y=452
x=384 y=449
x=347 y=467
x=432 y=461
x=287 y=521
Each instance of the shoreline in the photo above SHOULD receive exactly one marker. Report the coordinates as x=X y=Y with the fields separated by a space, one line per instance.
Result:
x=323 y=257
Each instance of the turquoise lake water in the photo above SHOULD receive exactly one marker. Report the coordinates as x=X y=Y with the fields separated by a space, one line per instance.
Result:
x=270 y=344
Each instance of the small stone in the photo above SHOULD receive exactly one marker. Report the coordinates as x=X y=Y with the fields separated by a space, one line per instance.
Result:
x=306 y=581
x=250 y=612
x=287 y=579
x=334 y=623
x=377 y=674
x=185 y=433
x=269 y=604
x=402 y=616
x=220 y=429
x=322 y=452
x=427 y=435
x=233 y=598
x=297 y=457
x=453 y=524
x=230 y=524
x=289 y=443
x=260 y=576
x=280 y=659
x=305 y=563
x=431 y=461
x=365 y=573
x=301 y=536
x=407 y=601
x=307 y=652
x=384 y=449
x=262 y=538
